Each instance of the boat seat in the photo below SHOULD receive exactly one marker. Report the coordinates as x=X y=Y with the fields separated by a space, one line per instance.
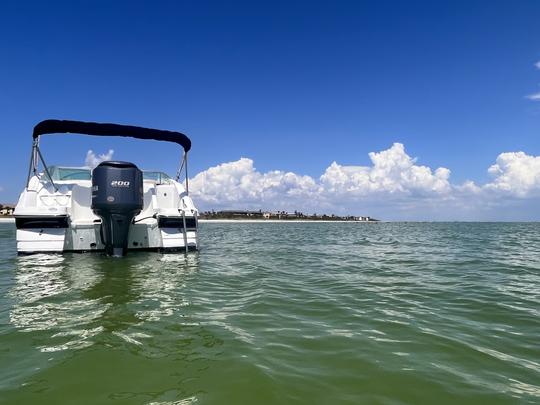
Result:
x=148 y=208
x=81 y=200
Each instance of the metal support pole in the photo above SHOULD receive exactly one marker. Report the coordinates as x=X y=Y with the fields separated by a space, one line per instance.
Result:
x=187 y=180
x=46 y=169
x=31 y=165
x=196 y=231
x=179 y=172
x=36 y=162
x=185 y=231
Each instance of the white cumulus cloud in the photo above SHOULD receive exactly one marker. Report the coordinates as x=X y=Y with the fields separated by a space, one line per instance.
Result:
x=392 y=172
x=516 y=174
x=240 y=183
x=92 y=160
x=535 y=96
x=393 y=186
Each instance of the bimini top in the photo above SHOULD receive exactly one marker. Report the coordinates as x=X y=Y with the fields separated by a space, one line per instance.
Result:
x=94 y=128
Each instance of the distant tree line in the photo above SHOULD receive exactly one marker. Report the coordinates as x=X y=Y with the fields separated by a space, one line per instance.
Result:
x=281 y=215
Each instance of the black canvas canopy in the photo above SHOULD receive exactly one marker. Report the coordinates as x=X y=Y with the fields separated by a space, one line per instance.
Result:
x=94 y=128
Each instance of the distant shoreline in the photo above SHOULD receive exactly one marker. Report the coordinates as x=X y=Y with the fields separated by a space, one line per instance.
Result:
x=252 y=221
x=258 y=221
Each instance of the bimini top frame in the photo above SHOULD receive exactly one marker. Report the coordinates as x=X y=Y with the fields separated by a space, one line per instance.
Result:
x=101 y=129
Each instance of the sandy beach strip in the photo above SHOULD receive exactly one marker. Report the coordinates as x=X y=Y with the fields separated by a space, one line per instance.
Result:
x=281 y=221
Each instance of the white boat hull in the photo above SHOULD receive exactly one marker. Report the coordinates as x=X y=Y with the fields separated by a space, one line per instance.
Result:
x=87 y=239
x=62 y=221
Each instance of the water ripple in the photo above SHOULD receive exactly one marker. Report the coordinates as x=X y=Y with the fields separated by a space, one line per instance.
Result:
x=281 y=313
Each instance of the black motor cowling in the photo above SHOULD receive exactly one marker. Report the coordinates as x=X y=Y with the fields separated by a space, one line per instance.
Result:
x=117 y=197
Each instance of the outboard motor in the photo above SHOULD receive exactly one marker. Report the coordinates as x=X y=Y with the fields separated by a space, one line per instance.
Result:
x=117 y=197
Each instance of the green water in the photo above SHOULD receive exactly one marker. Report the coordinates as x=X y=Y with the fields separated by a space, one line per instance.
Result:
x=280 y=313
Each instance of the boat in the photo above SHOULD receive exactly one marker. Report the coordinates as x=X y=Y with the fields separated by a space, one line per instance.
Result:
x=112 y=208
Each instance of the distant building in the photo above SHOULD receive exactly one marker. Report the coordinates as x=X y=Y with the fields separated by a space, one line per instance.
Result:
x=6 y=210
x=366 y=219
x=239 y=214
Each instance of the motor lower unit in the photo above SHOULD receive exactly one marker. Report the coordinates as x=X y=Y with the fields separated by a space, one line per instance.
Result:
x=117 y=197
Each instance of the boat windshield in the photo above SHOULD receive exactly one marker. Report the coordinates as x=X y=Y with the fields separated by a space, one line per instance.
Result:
x=69 y=173
x=81 y=173
x=158 y=177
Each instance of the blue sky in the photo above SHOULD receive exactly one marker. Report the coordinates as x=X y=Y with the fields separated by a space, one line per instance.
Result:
x=292 y=86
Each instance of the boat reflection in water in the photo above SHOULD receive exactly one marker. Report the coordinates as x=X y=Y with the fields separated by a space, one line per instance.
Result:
x=125 y=325
x=74 y=301
x=47 y=298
